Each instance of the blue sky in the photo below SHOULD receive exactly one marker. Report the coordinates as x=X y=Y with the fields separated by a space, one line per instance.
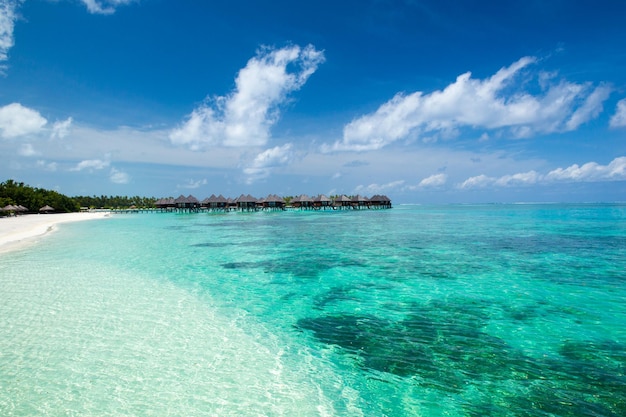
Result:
x=424 y=101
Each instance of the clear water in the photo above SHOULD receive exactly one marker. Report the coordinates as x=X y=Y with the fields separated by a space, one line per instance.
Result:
x=493 y=310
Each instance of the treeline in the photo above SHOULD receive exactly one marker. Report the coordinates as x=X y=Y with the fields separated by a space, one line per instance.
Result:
x=17 y=193
x=114 y=202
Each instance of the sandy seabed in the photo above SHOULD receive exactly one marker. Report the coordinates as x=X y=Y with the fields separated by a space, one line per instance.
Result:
x=20 y=230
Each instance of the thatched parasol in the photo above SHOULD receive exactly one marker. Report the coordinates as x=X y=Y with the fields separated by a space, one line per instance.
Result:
x=46 y=209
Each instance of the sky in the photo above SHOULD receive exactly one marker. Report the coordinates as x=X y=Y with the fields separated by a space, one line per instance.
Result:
x=423 y=101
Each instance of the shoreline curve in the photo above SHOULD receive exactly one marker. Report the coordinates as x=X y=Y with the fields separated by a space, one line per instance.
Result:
x=15 y=232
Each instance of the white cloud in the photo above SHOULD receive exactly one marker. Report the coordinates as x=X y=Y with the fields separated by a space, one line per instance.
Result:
x=48 y=166
x=119 y=177
x=377 y=189
x=436 y=180
x=619 y=118
x=104 y=6
x=91 y=164
x=61 y=129
x=497 y=102
x=17 y=120
x=7 y=25
x=268 y=160
x=523 y=178
x=590 y=109
x=27 y=150
x=589 y=172
x=245 y=116
x=191 y=184
x=479 y=181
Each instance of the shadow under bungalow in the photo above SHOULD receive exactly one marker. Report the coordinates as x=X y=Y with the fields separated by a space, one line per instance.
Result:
x=270 y=203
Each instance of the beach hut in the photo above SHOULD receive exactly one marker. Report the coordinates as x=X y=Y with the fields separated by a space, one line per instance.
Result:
x=46 y=209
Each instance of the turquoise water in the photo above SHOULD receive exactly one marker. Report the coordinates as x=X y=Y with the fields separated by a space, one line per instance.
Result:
x=487 y=310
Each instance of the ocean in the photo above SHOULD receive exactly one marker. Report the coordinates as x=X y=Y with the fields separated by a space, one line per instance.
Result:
x=452 y=310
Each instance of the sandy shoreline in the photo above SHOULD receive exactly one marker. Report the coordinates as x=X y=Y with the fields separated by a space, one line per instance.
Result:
x=20 y=230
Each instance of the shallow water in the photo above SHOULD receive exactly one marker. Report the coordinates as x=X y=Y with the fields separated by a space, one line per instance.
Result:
x=488 y=310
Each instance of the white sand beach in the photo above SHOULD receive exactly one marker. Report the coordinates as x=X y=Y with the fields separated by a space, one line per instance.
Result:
x=19 y=230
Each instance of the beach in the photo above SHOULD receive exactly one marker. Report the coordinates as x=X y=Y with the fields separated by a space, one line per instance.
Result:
x=20 y=230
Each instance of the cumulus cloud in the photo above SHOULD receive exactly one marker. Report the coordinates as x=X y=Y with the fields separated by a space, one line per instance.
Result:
x=244 y=117
x=268 y=160
x=479 y=181
x=17 y=120
x=495 y=103
x=619 y=118
x=522 y=178
x=104 y=6
x=118 y=177
x=589 y=172
x=61 y=129
x=433 y=181
x=91 y=164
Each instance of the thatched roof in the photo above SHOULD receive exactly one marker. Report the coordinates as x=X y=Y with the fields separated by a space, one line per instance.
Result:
x=359 y=199
x=342 y=199
x=273 y=198
x=164 y=202
x=322 y=199
x=246 y=199
x=46 y=208
x=180 y=200
x=9 y=207
x=380 y=199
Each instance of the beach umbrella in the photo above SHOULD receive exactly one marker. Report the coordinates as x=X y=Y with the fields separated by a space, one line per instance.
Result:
x=46 y=209
x=9 y=207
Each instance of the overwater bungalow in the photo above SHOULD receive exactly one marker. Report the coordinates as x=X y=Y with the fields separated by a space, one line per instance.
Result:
x=302 y=201
x=246 y=203
x=342 y=202
x=274 y=202
x=271 y=202
x=322 y=202
x=189 y=203
x=359 y=202
x=215 y=203
x=380 y=201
